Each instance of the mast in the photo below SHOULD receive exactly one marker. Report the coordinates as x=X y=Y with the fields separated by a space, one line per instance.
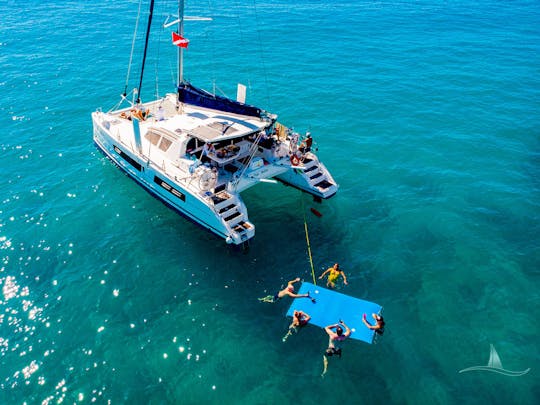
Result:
x=180 y=49
x=145 y=49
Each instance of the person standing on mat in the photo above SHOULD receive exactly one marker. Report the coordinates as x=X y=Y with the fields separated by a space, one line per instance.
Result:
x=334 y=340
x=289 y=290
x=333 y=274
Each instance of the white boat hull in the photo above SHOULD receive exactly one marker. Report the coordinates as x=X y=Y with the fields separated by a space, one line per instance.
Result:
x=165 y=154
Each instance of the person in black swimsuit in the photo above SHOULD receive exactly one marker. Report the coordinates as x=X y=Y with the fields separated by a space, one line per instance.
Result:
x=379 y=323
x=334 y=340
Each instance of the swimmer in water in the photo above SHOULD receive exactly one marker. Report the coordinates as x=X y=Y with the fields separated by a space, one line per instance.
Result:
x=289 y=290
x=300 y=318
x=333 y=274
x=379 y=323
x=334 y=341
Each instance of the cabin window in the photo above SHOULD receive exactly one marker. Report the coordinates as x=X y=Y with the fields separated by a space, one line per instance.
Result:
x=165 y=144
x=152 y=137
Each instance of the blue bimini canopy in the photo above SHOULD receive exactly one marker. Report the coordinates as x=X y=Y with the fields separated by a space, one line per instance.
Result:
x=331 y=306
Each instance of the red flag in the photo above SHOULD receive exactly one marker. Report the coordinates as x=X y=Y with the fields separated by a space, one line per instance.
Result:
x=179 y=40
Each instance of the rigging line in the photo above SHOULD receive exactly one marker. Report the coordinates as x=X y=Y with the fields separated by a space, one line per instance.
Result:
x=244 y=44
x=210 y=40
x=156 y=73
x=145 y=48
x=261 y=52
x=132 y=47
x=122 y=99
x=241 y=42
x=221 y=91
x=252 y=151
x=307 y=241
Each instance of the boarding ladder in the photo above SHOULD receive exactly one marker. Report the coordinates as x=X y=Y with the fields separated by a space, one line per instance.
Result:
x=227 y=206
x=314 y=175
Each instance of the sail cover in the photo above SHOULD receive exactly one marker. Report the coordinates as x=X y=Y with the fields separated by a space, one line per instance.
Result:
x=192 y=95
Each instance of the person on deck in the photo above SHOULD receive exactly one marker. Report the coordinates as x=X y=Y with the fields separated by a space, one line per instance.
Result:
x=334 y=340
x=206 y=150
x=333 y=274
x=379 y=323
x=300 y=318
x=140 y=113
x=160 y=116
x=305 y=146
x=289 y=290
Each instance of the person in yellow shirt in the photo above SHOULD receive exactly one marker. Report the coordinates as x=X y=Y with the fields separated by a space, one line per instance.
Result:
x=333 y=274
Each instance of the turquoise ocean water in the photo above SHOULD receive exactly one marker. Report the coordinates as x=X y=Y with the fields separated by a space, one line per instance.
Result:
x=426 y=113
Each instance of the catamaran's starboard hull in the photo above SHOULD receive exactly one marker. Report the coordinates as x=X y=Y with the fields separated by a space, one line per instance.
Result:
x=311 y=177
x=163 y=188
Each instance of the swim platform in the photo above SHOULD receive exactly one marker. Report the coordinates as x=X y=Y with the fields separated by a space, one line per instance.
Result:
x=331 y=306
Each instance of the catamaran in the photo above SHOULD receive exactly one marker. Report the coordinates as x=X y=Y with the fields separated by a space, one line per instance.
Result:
x=197 y=151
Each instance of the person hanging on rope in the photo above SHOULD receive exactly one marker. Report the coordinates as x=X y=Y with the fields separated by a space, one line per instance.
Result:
x=300 y=318
x=289 y=290
x=333 y=274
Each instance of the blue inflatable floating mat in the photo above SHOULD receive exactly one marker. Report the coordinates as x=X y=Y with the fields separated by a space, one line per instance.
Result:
x=331 y=306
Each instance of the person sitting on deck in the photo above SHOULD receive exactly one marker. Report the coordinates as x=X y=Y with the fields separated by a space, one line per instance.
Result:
x=334 y=338
x=265 y=140
x=305 y=145
x=333 y=275
x=289 y=290
x=140 y=113
x=379 y=323
x=300 y=318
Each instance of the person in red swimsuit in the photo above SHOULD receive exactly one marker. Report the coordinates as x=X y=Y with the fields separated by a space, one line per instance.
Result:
x=300 y=318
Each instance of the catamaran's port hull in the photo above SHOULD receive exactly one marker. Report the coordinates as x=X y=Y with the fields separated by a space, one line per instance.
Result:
x=160 y=187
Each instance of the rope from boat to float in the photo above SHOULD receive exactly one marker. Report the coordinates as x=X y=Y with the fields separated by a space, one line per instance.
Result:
x=307 y=241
